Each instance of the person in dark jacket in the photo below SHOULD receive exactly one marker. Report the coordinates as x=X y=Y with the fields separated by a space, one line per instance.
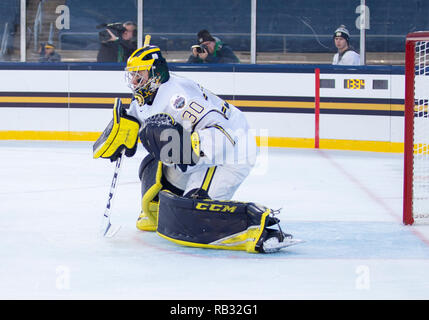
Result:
x=48 y=53
x=118 y=48
x=211 y=50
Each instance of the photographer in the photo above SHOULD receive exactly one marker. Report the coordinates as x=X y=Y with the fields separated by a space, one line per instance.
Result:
x=211 y=50
x=48 y=54
x=117 y=42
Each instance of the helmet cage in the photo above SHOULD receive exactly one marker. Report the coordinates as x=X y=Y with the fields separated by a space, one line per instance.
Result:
x=147 y=58
x=136 y=82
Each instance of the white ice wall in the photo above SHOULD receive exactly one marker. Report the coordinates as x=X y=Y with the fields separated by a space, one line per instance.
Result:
x=302 y=85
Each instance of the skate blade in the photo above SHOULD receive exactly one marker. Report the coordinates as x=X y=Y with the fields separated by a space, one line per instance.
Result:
x=277 y=246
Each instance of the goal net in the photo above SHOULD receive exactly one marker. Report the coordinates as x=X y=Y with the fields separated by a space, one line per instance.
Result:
x=416 y=139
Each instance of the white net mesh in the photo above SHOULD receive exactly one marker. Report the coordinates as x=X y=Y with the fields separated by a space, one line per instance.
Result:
x=421 y=134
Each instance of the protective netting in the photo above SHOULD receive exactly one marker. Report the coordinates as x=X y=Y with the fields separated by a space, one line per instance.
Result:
x=421 y=134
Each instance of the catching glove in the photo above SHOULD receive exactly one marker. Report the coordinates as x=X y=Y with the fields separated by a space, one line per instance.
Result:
x=121 y=133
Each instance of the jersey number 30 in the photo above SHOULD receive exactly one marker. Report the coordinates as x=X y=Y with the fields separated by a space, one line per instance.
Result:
x=193 y=112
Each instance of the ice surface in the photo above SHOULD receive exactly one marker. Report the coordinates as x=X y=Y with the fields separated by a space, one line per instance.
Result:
x=346 y=205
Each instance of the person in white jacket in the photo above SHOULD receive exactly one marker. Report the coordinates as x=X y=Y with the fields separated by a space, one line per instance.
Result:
x=345 y=55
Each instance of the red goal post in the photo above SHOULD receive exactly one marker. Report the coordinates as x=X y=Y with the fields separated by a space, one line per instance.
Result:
x=416 y=135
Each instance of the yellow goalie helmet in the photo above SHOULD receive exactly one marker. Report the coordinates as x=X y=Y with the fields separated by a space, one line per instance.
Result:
x=146 y=70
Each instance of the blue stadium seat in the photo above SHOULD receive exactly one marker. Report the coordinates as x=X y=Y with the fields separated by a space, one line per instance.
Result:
x=292 y=26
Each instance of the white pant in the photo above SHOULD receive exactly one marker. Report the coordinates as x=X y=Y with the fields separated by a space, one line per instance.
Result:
x=223 y=168
x=220 y=182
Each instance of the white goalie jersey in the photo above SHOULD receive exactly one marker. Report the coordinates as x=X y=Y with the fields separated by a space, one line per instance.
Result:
x=225 y=138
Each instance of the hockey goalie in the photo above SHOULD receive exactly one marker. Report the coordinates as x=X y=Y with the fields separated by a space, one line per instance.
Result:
x=199 y=152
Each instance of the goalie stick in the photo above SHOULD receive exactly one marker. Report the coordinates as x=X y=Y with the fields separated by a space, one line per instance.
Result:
x=109 y=229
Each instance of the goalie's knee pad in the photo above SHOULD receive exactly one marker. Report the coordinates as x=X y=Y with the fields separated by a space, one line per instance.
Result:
x=150 y=173
x=152 y=181
x=214 y=224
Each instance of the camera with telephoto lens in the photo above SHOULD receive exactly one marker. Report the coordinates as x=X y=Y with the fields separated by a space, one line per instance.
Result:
x=116 y=28
x=200 y=48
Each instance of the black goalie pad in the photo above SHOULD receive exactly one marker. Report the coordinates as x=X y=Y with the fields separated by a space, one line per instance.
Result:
x=148 y=172
x=213 y=224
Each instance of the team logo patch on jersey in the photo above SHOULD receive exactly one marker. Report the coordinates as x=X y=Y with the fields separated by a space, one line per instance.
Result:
x=178 y=101
x=139 y=98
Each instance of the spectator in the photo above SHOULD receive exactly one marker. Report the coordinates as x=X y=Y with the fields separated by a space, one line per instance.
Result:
x=211 y=50
x=345 y=55
x=48 y=53
x=120 y=43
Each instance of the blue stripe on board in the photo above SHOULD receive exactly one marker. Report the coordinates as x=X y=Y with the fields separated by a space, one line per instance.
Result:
x=185 y=67
x=225 y=97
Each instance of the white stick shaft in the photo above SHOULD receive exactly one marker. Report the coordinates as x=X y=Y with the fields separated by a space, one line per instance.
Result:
x=107 y=228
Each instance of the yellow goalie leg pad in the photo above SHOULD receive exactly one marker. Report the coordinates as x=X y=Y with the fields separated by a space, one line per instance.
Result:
x=148 y=218
x=148 y=221
x=245 y=241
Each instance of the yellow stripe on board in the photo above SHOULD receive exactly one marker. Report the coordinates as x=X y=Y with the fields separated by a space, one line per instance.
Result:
x=96 y=100
x=421 y=149
x=334 y=144
x=279 y=142
x=356 y=145
x=65 y=100
x=34 y=99
x=238 y=103
x=323 y=105
x=272 y=104
x=283 y=142
x=49 y=135
x=361 y=106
